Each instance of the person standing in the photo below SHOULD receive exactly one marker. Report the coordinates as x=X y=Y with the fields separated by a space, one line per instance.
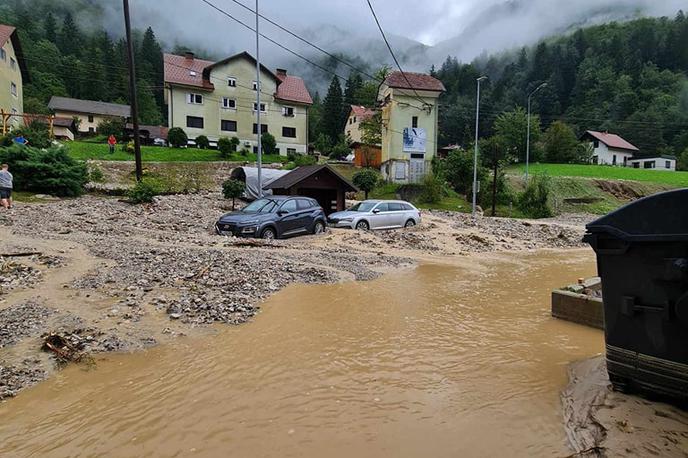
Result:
x=5 y=186
x=112 y=141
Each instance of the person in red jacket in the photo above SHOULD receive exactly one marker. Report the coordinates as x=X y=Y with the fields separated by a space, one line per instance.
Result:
x=112 y=141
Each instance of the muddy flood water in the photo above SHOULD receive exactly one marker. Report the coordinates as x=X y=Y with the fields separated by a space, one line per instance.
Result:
x=433 y=361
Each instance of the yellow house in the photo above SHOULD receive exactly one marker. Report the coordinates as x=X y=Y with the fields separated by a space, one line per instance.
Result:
x=409 y=125
x=90 y=113
x=13 y=75
x=218 y=99
x=357 y=114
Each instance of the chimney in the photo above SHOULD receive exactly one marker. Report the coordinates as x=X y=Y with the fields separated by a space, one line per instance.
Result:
x=189 y=55
x=281 y=72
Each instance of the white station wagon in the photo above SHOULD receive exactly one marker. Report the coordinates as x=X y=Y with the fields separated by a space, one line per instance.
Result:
x=377 y=214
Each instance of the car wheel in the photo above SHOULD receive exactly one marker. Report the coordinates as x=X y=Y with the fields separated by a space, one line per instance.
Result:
x=363 y=226
x=268 y=234
x=318 y=227
x=410 y=223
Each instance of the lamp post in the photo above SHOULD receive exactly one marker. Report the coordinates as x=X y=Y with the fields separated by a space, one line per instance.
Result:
x=528 y=135
x=475 y=153
x=259 y=131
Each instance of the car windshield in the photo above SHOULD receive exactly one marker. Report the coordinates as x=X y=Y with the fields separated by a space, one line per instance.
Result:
x=260 y=206
x=363 y=207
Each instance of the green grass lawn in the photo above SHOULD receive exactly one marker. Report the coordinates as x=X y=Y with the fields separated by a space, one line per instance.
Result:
x=605 y=172
x=88 y=150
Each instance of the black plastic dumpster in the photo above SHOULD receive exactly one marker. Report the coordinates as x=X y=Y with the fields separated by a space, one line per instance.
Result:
x=642 y=258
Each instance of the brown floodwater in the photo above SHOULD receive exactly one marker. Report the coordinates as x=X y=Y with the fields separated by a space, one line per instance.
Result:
x=438 y=361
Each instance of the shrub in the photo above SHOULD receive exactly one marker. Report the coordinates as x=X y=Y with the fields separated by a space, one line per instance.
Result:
x=202 y=142
x=303 y=159
x=5 y=141
x=232 y=189
x=682 y=163
x=245 y=152
x=458 y=169
x=47 y=171
x=339 y=150
x=129 y=147
x=143 y=192
x=268 y=143
x=176 y=137
x=533 y=202
x=37 y=133
x=227 y=146
x=95 y=175
x=432 y=189
x=114 y=126
x=366 y=180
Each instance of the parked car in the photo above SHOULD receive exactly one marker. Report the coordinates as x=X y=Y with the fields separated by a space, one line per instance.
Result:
x=377 y=214
x=159 y=142
x=274 y=217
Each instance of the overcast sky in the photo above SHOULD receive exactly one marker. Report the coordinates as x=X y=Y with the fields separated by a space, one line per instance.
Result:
x=482 y=25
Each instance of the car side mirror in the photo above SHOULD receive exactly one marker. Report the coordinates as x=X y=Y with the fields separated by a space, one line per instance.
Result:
x=376 y=211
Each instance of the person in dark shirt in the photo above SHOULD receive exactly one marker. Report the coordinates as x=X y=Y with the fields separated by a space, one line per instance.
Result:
x=5 y=186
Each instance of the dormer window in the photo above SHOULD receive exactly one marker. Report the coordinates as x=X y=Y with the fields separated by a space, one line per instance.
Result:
x=231 y=82
x=196 y=99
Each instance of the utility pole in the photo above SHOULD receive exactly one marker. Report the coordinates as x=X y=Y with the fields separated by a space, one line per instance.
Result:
x=475 y=153
x=528 y=135
x=259 y=131
x=132 y=93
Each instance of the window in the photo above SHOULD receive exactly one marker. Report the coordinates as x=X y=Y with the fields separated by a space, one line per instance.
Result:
x=595 y=160
x=255 y=85
x=289 y=132
x=13 y=89
x=263 y=128
x=90 y=118
x=194 y=121
x=228 y=126
x=351 y=121
x=231 y=82
x=354 y=119
x=596 y=144
x=3 y=54
x=414 y=122
x=291 y=151
x=91 y=130
x=304 y=204
x=407 y=207
x=13 y=63
x=625 y=160
x=289 y=206
x=649 y=165
x=383 y=207
x=262 y=107
x=196 y=99
x=228 y=103
x=667 y=164
x=636 y=165
x=613 y=159
x=394 y=207
x=288 y=111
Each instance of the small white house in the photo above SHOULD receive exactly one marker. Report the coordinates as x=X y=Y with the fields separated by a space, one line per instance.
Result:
x=661 y=162
x=609 y=149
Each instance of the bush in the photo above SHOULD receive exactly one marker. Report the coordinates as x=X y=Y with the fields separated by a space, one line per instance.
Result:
x=5 y=141
x=232 y=189
x=143 y=192
x=682 y=163
x=37 y=133
x=339 y=150
x=202 y=142
x=129 y=147
x=366 y=180
x=303 y=159
x=458 y=170
x=533 y=202
x=245 y=152
x=95 y=175
x=227 y=146
x=268 y=143
x=432 y=189
x=504 y=194
x=176 y=137
x=114 y=126
x=46 y=171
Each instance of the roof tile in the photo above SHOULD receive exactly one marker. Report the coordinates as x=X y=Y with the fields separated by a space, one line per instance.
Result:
x=420 y=81
x=612 y=140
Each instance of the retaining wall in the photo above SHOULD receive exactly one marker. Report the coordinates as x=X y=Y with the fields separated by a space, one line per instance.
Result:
x=578 y=308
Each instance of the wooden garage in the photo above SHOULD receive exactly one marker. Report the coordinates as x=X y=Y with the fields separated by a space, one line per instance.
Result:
x=319 y=182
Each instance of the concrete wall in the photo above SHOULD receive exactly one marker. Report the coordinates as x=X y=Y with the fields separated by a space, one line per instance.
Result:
x=9 y=102
x=578 y=308
x=212 y=111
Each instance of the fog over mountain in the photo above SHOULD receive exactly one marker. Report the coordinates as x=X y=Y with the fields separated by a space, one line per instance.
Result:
x=422 y=33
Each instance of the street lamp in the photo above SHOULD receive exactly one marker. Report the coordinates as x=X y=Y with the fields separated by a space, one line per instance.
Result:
x=475 y=154
x=528 y=138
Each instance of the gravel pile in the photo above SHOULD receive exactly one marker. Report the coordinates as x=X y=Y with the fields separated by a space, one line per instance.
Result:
x=23 y=320
x=14 y=275
x=14 y=378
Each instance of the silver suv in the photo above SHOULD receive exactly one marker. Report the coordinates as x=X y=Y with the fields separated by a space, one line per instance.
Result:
x=377 y=214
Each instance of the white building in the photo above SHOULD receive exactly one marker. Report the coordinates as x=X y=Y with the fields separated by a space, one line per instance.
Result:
x=609 y=149
x=660 y=162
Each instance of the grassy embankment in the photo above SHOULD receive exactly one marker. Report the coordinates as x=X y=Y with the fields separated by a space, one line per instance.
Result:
x=87 y=150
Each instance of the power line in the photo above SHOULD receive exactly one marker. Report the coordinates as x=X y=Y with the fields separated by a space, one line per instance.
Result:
x=384 y=37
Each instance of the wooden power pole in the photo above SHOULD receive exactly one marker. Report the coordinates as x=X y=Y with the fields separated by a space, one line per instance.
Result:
x=132 y=93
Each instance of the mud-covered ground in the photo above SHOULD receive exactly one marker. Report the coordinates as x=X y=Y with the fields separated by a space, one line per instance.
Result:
x=110 y=276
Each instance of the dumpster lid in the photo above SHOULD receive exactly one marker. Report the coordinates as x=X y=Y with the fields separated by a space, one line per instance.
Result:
x=660 y=217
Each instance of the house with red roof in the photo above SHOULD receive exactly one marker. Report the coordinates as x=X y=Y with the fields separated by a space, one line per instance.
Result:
x=13 y=75
x=609 y=149
x=408 y=104
x=357 y=114
x=218 y=99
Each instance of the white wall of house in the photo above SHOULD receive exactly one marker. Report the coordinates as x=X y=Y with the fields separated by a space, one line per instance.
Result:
x=604 y=155
x=654 y=163
x=353 y=127
x=88 y=121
